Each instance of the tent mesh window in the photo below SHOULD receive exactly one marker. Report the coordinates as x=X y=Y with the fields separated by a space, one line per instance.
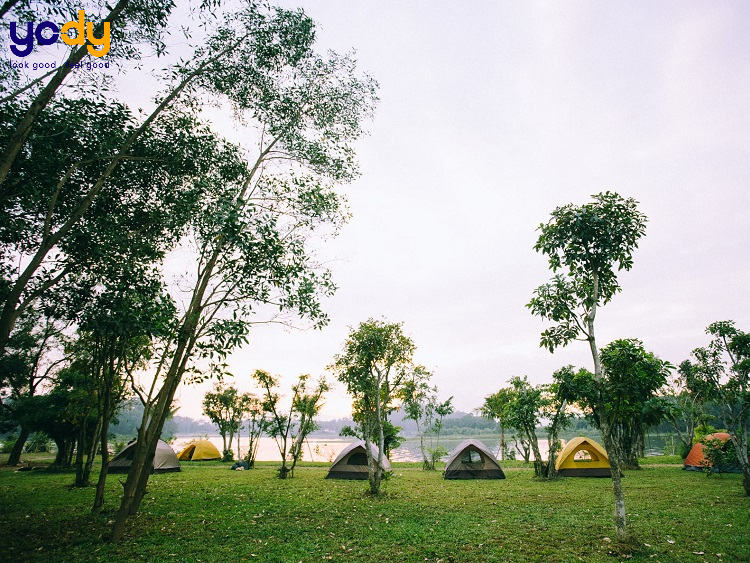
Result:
x=471 y=456
x=359 y=458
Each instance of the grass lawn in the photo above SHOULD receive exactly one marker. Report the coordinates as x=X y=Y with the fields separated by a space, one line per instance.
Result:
x=209 y=513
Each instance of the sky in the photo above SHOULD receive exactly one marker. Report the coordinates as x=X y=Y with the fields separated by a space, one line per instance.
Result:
x=492 y=114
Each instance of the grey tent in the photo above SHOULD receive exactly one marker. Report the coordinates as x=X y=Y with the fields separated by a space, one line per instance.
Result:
x=164 y=459
x=471 y=459
x=351 y=463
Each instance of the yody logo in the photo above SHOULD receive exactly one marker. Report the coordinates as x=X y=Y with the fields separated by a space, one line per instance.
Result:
x=25 y=45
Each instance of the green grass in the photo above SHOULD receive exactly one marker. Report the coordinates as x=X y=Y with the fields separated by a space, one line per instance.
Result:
x=208 y=513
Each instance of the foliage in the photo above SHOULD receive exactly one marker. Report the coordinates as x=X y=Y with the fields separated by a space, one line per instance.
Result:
x=590 y=243
x=374 y=365
x=495 y=408
x=632 y=378
x=226 y=408
x=719 y=456
x=685 y=406
x=290 y=428
x=723 y=369
x=420 y=404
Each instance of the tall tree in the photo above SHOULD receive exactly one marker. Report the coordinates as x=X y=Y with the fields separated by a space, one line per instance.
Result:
x=723 y=367
x=251 y=240
x=374 y=365
x=589 y=243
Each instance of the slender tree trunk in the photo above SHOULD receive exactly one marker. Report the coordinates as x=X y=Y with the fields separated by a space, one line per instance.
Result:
x=102 y=481
x=612 y=450
x=17 y=450
x=381 y=438
x=739 y=439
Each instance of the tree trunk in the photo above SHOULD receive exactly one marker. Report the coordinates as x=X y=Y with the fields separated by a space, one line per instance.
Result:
x=614 y=453
x=739 y=440
x=99 y=497
x=612 y=450
x=17 y=450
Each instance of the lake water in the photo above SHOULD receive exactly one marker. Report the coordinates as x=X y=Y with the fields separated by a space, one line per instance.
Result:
x=326 y=449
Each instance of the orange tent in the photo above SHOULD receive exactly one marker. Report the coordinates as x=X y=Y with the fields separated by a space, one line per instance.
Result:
x=694 y=460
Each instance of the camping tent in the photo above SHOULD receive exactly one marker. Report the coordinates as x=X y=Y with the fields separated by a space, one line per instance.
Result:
x=351 y=463
x=595 y=464
x=694 y=460
x=164 y=459
x=471 y=459
x=199 y=450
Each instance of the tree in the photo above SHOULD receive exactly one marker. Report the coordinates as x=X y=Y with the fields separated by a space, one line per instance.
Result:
x=26 y=367
x=374 y=365
x=495 y=408
x=523 y=411
x=290 y=429
x=420 y=404
x=251 y=235
x=723 y=367
x=256 y=424
x=555 y=409
x=225 y=407
x=590 y=243
x=685 y=406
x=631 y=383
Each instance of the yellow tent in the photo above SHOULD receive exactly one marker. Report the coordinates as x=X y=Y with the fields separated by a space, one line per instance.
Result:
x=595 y=464
x=199 y=450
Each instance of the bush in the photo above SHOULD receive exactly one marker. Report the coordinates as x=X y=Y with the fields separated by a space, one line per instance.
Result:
x=7 y=445
x=39 y=442
x=718 y=456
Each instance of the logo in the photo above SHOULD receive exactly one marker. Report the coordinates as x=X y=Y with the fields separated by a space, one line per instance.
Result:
x=25 y=45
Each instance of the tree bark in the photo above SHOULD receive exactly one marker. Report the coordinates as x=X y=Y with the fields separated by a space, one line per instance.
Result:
x=17 y=450
x=612 y=450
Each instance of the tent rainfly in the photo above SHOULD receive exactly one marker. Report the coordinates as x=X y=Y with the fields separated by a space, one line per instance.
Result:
x=164 y=459
x=471 y=459
x=199 y=450
x=596 y=464
x=694 y=460
x=351 y=463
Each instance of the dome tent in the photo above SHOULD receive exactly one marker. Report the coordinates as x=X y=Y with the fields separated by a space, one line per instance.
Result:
x=596 y=465
x=351 y=463
x=471 y=459
x=199 y=450
x=695 y=459
x=165 y=459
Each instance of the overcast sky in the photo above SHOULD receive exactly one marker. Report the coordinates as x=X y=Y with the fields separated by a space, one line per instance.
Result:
x=491 y=115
